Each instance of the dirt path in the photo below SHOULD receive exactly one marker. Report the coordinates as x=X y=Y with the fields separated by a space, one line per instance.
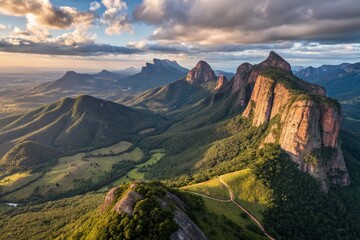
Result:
x=232 y=199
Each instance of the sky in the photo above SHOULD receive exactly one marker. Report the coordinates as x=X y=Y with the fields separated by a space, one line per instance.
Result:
x=116 y=34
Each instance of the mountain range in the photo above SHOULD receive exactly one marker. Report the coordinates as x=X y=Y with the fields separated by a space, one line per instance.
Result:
x=69 y=125
x=105 y=84
x=263 y=140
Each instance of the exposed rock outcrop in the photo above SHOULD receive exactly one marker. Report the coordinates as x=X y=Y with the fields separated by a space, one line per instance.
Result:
x=221 y=83
x=246 y=75
x=306 y=125
x=187 y=228
x=201 y=73
x=274 y=60
x=126 y=202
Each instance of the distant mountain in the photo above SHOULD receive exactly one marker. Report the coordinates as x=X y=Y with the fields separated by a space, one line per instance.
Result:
x=128 y=71
x=185 y=91
x=158 y=73
x=296 y=69
x=341 y=81
x=103 y=84
x=72 y=124
x=228 y=75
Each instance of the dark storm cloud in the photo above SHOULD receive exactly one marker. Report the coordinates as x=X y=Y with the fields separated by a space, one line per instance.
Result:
x=251 y=21
x=82 y=49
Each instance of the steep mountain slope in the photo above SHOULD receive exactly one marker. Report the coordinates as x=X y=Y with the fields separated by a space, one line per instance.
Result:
x=198 y=84
x=74 y=124
x=156 y=74
x=27 y=155
x=291 y=112
x=305 y=125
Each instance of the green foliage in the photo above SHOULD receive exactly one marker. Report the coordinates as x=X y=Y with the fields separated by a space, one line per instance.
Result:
x=26 y=156
x=299 y=210
x=214 y=226
x=47 y=220
x=149 y=220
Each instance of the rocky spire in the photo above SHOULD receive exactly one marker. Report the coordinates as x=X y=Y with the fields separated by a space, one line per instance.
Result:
x=201 y=73
x=274 y=60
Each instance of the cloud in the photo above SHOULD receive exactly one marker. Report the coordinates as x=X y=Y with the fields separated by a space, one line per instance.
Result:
x=4 y=27
x=94 y=6
x=208 y=22
x=41 y=16
x=115 y=17
x=17 y=45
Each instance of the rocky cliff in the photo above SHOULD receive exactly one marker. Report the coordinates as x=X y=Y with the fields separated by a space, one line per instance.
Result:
x=201 y=73
x=302 y=121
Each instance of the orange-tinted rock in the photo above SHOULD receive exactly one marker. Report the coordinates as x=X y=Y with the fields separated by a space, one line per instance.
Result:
x=246 y=75
x=261 y=101
x=305 y=126
x=221 y=83
x=201 y=73
x=330 y=124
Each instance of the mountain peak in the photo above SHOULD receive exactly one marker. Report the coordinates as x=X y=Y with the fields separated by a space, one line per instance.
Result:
x=70 y=74
x=201 y=73
x=275 y=60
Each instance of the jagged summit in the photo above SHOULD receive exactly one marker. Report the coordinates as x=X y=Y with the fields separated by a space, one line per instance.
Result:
x=168 y=63
x=274 y=60
x=201 y=73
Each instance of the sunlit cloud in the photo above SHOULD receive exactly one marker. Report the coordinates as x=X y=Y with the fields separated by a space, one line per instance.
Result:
x=115 y=17
x=250 y=21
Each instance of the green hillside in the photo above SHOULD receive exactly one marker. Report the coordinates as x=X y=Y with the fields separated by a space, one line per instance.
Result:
x=72 y=125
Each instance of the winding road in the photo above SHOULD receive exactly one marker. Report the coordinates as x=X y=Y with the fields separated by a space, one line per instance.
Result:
x=232 y=199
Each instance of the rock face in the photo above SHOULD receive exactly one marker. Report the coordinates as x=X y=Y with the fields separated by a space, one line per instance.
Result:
x=221 y=83
x=201 y=73
x=274 y=60
x=306 y=126
x=187 y=229
x=246 y=75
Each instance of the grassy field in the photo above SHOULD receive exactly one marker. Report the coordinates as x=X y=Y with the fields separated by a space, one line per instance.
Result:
x=213 y=188
x=248 y=191
x=16 y=181
x=230 y=211
x=69 y=171
x=115 y=149
x=134 y=174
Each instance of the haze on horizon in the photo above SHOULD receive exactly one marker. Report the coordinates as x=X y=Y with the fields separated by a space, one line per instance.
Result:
x=115 y=34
